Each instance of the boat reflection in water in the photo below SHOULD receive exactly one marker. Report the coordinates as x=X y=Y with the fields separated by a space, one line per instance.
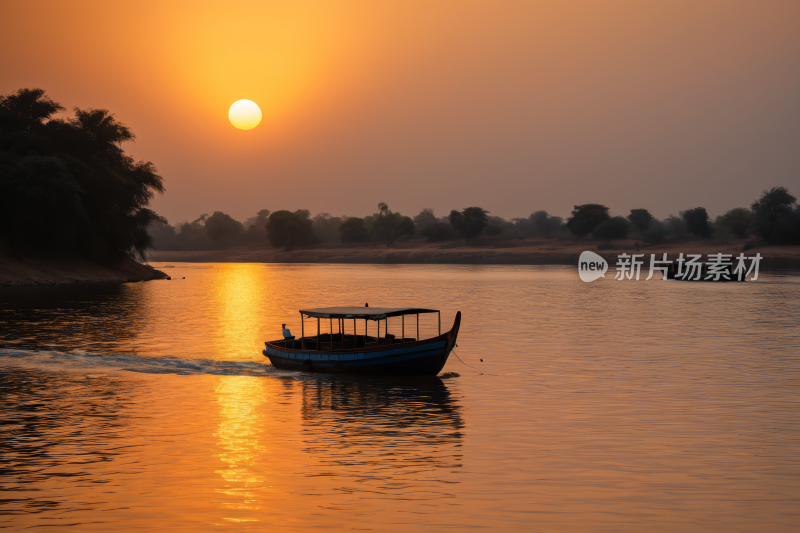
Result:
x=373 y=431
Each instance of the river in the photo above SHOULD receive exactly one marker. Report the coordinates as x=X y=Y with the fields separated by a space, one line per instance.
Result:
x=611 y=406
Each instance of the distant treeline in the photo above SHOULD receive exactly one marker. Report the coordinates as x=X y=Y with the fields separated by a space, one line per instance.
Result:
x=67 y=186
x=773 y=218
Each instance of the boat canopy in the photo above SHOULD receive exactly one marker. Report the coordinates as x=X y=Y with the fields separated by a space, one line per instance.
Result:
x=371 y=313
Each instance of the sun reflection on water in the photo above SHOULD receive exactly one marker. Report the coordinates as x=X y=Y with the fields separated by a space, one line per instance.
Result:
x=241 y=424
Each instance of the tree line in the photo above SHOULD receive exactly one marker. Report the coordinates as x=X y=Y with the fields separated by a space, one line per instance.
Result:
x=774 y=218
x=66 y=184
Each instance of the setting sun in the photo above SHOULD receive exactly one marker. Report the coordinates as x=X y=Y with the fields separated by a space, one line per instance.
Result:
x=244 y=114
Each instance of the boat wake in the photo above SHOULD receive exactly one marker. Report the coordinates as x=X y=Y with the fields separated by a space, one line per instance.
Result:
x=87 y=362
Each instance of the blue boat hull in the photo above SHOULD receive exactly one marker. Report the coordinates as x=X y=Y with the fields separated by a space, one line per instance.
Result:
x=419 y=358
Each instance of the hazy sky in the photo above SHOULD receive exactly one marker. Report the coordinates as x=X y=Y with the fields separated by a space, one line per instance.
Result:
x=511 y=106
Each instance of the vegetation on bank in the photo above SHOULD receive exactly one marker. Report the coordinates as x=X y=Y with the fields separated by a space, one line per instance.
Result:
x=66 y=185
x=773 y=218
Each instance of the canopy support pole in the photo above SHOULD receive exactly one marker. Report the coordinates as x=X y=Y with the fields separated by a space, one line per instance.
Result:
x=319 y=337
x=417 y=326
x=302 y=332
x=403 y=328
x=440 y=321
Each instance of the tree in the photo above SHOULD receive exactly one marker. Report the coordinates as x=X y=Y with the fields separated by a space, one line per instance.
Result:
x=76 y=170
x=498 y=225
x=673 y=225
x=585 y=218
x=326 y=227
x=424 y=219
x=391 y=226
x=737 y=221
x=255 y=227
x=543 y=224
x=640 y=218
x=613 y=228
x=289 y=229
x=353 y=230
x=439 y=230
x=222 y=229
x=697 y=221
x=383 y=208
x=469 y=222
x=774 y=204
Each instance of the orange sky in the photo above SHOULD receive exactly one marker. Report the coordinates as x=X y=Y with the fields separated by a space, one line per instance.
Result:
x=512 y=106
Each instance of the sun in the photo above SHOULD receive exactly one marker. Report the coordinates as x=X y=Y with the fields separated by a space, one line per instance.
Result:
x=244 y=114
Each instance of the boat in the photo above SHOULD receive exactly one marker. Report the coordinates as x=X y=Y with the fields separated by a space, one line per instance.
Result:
x=363 y=353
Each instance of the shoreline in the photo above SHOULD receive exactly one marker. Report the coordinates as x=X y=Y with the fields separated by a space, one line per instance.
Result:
x=482 y=251
x=34 y=272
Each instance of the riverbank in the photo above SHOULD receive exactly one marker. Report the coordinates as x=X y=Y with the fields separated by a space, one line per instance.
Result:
x=482 y=251
x=28 y=272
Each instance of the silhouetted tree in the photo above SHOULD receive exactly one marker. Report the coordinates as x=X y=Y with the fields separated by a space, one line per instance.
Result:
x=289 y=229
x=585 y=218
x=545 y=225
x=469 y=222
x=391 y=226
x=774 y=204
x=326 y=227
x=675 y=226
x=613 y=228
x=498 y=226
x=222 y=229
x=640 y=218
x=697 y=221
x=738 y=221
x=255 y=227
x=353 y=230
x=73 y=176
x=383 y=208
x=425 y=218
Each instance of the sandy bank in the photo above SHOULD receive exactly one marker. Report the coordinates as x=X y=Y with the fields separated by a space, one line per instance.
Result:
x=484 y=251
x=24 y=272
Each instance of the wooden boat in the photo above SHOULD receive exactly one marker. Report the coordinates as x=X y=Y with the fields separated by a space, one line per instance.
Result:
x=364 y=354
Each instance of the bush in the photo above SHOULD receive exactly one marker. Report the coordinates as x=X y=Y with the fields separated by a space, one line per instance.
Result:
x=613 y=228
x=653 y=237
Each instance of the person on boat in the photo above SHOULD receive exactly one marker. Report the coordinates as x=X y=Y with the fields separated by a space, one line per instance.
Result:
x=287 y=335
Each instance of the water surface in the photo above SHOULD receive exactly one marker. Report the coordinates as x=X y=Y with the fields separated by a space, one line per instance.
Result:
x=610 y=406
